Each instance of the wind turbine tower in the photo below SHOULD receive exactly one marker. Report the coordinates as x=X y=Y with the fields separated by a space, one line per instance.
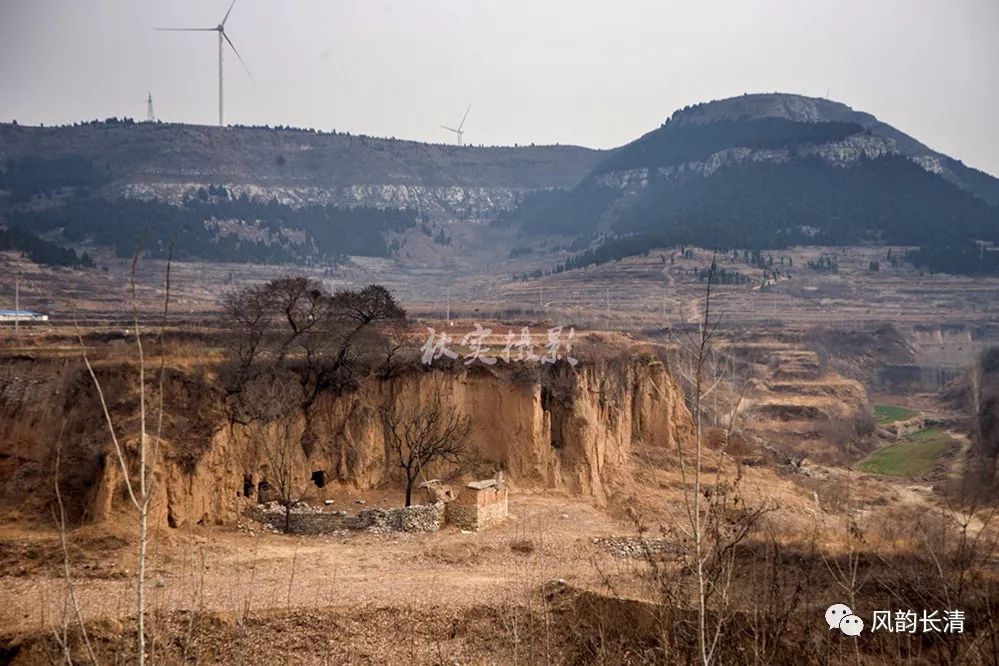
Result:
x=459 y=133
x=220 y=29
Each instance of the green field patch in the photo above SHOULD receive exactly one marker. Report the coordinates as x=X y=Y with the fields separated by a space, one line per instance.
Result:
x=914 y=455
x=886 y=414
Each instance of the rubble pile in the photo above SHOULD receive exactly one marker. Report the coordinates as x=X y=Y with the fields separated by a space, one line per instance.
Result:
x=635 y=546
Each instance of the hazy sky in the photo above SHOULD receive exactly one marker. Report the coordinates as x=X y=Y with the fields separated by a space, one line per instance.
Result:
x=570 y=71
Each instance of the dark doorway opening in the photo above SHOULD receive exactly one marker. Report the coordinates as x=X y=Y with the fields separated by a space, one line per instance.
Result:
x=319 y=478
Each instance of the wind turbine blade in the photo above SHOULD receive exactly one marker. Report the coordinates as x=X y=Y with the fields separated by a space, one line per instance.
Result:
x=226 y=17
x=464 y=117
x=186 y=29
x=449 y=129
x=233 y=46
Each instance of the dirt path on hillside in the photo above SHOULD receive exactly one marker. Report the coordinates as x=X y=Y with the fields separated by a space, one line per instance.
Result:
x=923 y=494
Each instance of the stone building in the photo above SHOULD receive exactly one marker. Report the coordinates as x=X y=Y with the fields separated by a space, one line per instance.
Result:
x=480 y=504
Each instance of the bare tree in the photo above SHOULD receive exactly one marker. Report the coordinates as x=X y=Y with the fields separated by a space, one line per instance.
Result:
x=293 y=324
x=700 y=349
x=391 y=347
x=715 y=517
x=139 y=483
x=423 y=434
x=273 y=400
x=71 y=600
x=289 y=340
x=248 y=313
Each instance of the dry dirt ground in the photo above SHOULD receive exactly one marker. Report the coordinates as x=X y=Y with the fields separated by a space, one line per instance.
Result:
x=232 y=569
x=514 y=593
x=448 y=597
x=246 y=571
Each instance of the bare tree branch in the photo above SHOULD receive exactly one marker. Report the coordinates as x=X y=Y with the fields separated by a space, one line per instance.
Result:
x=423 y=434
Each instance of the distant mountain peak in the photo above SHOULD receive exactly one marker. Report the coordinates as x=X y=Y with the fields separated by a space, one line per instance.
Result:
x=771 y=170
x=801 y=108
x=788 y=106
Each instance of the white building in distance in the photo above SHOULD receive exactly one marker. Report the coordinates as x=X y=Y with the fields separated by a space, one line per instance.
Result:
x=12 y=316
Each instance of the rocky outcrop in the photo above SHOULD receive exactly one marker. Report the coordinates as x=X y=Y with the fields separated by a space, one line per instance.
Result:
x=438 y=202
x=843 y=153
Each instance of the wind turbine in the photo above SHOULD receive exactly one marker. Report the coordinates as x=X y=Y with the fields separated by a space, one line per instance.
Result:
x=220 y=28
x=458 y=132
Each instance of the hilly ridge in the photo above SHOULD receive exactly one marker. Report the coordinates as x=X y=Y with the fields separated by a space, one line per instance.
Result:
x=769 y=171
x=253 y=194
x=750 y=172
x=303 y=166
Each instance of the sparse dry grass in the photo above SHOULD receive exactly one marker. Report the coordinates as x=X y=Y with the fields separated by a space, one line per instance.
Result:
x=225 y=595
x=428 y=599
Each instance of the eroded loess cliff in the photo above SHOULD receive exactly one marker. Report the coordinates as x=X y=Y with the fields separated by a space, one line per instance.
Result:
x=549 y=428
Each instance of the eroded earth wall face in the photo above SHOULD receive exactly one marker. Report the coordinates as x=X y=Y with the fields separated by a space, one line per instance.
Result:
x=570 y=430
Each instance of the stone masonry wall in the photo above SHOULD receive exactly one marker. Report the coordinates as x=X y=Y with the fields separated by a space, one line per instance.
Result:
x=419 y=518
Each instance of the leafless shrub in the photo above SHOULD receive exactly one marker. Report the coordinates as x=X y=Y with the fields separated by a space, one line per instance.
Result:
x=982 y=406
x=714 y=517
x=525 y=373
x=523 y=546
x=273 y=400
x=71 y=602
x=140 y=481
x=951 y=566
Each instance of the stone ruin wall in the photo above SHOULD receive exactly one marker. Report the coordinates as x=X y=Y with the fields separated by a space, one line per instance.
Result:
x=473 y=509
x=418 y=518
